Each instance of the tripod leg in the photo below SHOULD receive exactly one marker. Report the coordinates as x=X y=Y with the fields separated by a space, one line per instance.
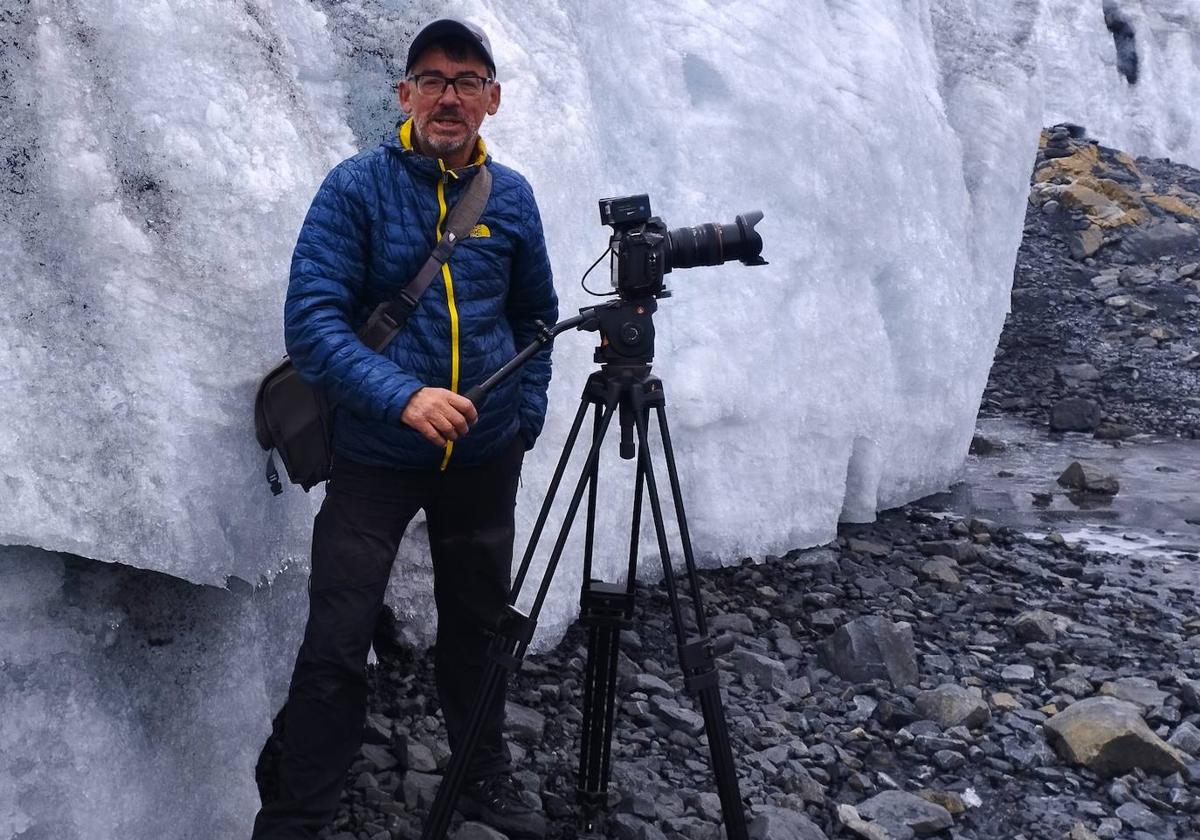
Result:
x=548 y=501
x=607 y=609
x=589 y=538
x=516 y=630
x=696 y=657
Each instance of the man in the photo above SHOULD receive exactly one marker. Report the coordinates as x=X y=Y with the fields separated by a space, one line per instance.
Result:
x=404 y=437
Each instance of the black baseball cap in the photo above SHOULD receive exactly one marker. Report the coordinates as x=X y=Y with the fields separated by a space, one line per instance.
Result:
x=450 y=28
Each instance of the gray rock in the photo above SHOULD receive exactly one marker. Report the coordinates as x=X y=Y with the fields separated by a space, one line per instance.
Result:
x=380 y=757
x=872 y=647
x=1114 y=431
x=1079 y=831
x=1187 y=738
x=1089 y=479
x=419 y=789
x=377 y=729
x=940 y=570
x=864 y=707
x=767 y=672
x=651 y=684
x=772 y=823
x=1138 y=816
x=798 y=688
x=1074 y=374
x=1084 y=243
x=849 y=817
x=629 y=827
x=828 y=618
x=1109 y=737
x=1037 y=626
x=1140 y=309
x=1189 y=691
x=685 y=720
x=478 y=831
x=693 y=828
x=1161 y=240
x=1018 y=673
x=960 y=551
x=732 y=623
x=949 y=759
x=1075 y=414
x=1074 y=685
x=525 y=723
x=897 y=810
x=954 y=705
x=867 y=547
x=421 y=758
x=1141 y=692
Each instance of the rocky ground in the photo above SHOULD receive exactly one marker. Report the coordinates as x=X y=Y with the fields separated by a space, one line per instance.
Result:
x=1103 y=335
x=923 y=675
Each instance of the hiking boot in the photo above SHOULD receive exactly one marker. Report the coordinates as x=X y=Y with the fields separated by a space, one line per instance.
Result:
x=498 y=802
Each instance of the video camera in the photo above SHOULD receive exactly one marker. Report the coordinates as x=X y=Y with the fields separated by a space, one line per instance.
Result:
x=644 y=249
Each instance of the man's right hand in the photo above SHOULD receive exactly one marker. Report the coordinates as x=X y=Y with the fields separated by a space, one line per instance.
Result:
x=439 y=415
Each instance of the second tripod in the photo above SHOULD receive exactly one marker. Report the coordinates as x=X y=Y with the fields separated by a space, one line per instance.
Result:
x=625 y=388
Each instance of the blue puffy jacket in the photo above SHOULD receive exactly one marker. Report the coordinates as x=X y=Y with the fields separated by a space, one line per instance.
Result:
x=372 y=225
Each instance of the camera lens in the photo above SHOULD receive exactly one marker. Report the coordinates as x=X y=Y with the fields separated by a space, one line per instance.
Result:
x=713 y=244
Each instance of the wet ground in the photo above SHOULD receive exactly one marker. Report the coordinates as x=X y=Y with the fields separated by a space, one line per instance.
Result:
x=1151 y=527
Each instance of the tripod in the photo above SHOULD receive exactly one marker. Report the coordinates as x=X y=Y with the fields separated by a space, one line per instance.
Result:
x=623 y=387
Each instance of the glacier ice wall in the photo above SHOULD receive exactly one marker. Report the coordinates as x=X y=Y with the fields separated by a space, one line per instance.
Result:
x=160 y=156
x=124 y=690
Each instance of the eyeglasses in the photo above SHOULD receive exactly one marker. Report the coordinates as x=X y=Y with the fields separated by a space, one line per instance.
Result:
x=467 y=87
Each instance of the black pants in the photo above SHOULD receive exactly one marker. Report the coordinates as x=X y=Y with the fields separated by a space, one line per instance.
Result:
x=356 y=535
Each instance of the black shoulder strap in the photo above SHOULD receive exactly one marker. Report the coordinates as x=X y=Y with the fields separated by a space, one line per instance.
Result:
x=389 y=317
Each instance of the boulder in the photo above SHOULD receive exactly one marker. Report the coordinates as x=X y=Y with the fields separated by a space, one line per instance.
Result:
x=849 y=817
x=524 y=723
x=872 y=647
x=897 y=810
x=419 y=789
x=1084 y=243
x=1140 y=691
x=954 y=705
x=767 y=672
x=1074 y=414
x=1039 y=626
x=1089 y=479
x=1074 y=374
x=772 y=823
x=1161 y=240
x=1186 y=737
x=1109 y=737
x=940 y=570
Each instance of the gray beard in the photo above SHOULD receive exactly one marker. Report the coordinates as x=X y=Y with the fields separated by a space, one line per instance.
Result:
x=436 y=150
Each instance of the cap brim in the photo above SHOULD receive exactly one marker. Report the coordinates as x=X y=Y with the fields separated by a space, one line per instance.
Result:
x=448 y=28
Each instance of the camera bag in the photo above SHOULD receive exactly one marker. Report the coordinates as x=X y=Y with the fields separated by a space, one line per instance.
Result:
x=293 y=417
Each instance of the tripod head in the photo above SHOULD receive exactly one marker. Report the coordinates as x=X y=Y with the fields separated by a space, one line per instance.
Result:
x=626 y=330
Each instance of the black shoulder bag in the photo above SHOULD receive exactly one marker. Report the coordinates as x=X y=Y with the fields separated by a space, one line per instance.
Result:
x=293 y=417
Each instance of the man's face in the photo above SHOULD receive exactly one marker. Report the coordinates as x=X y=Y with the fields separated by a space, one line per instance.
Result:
x=447 y=125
